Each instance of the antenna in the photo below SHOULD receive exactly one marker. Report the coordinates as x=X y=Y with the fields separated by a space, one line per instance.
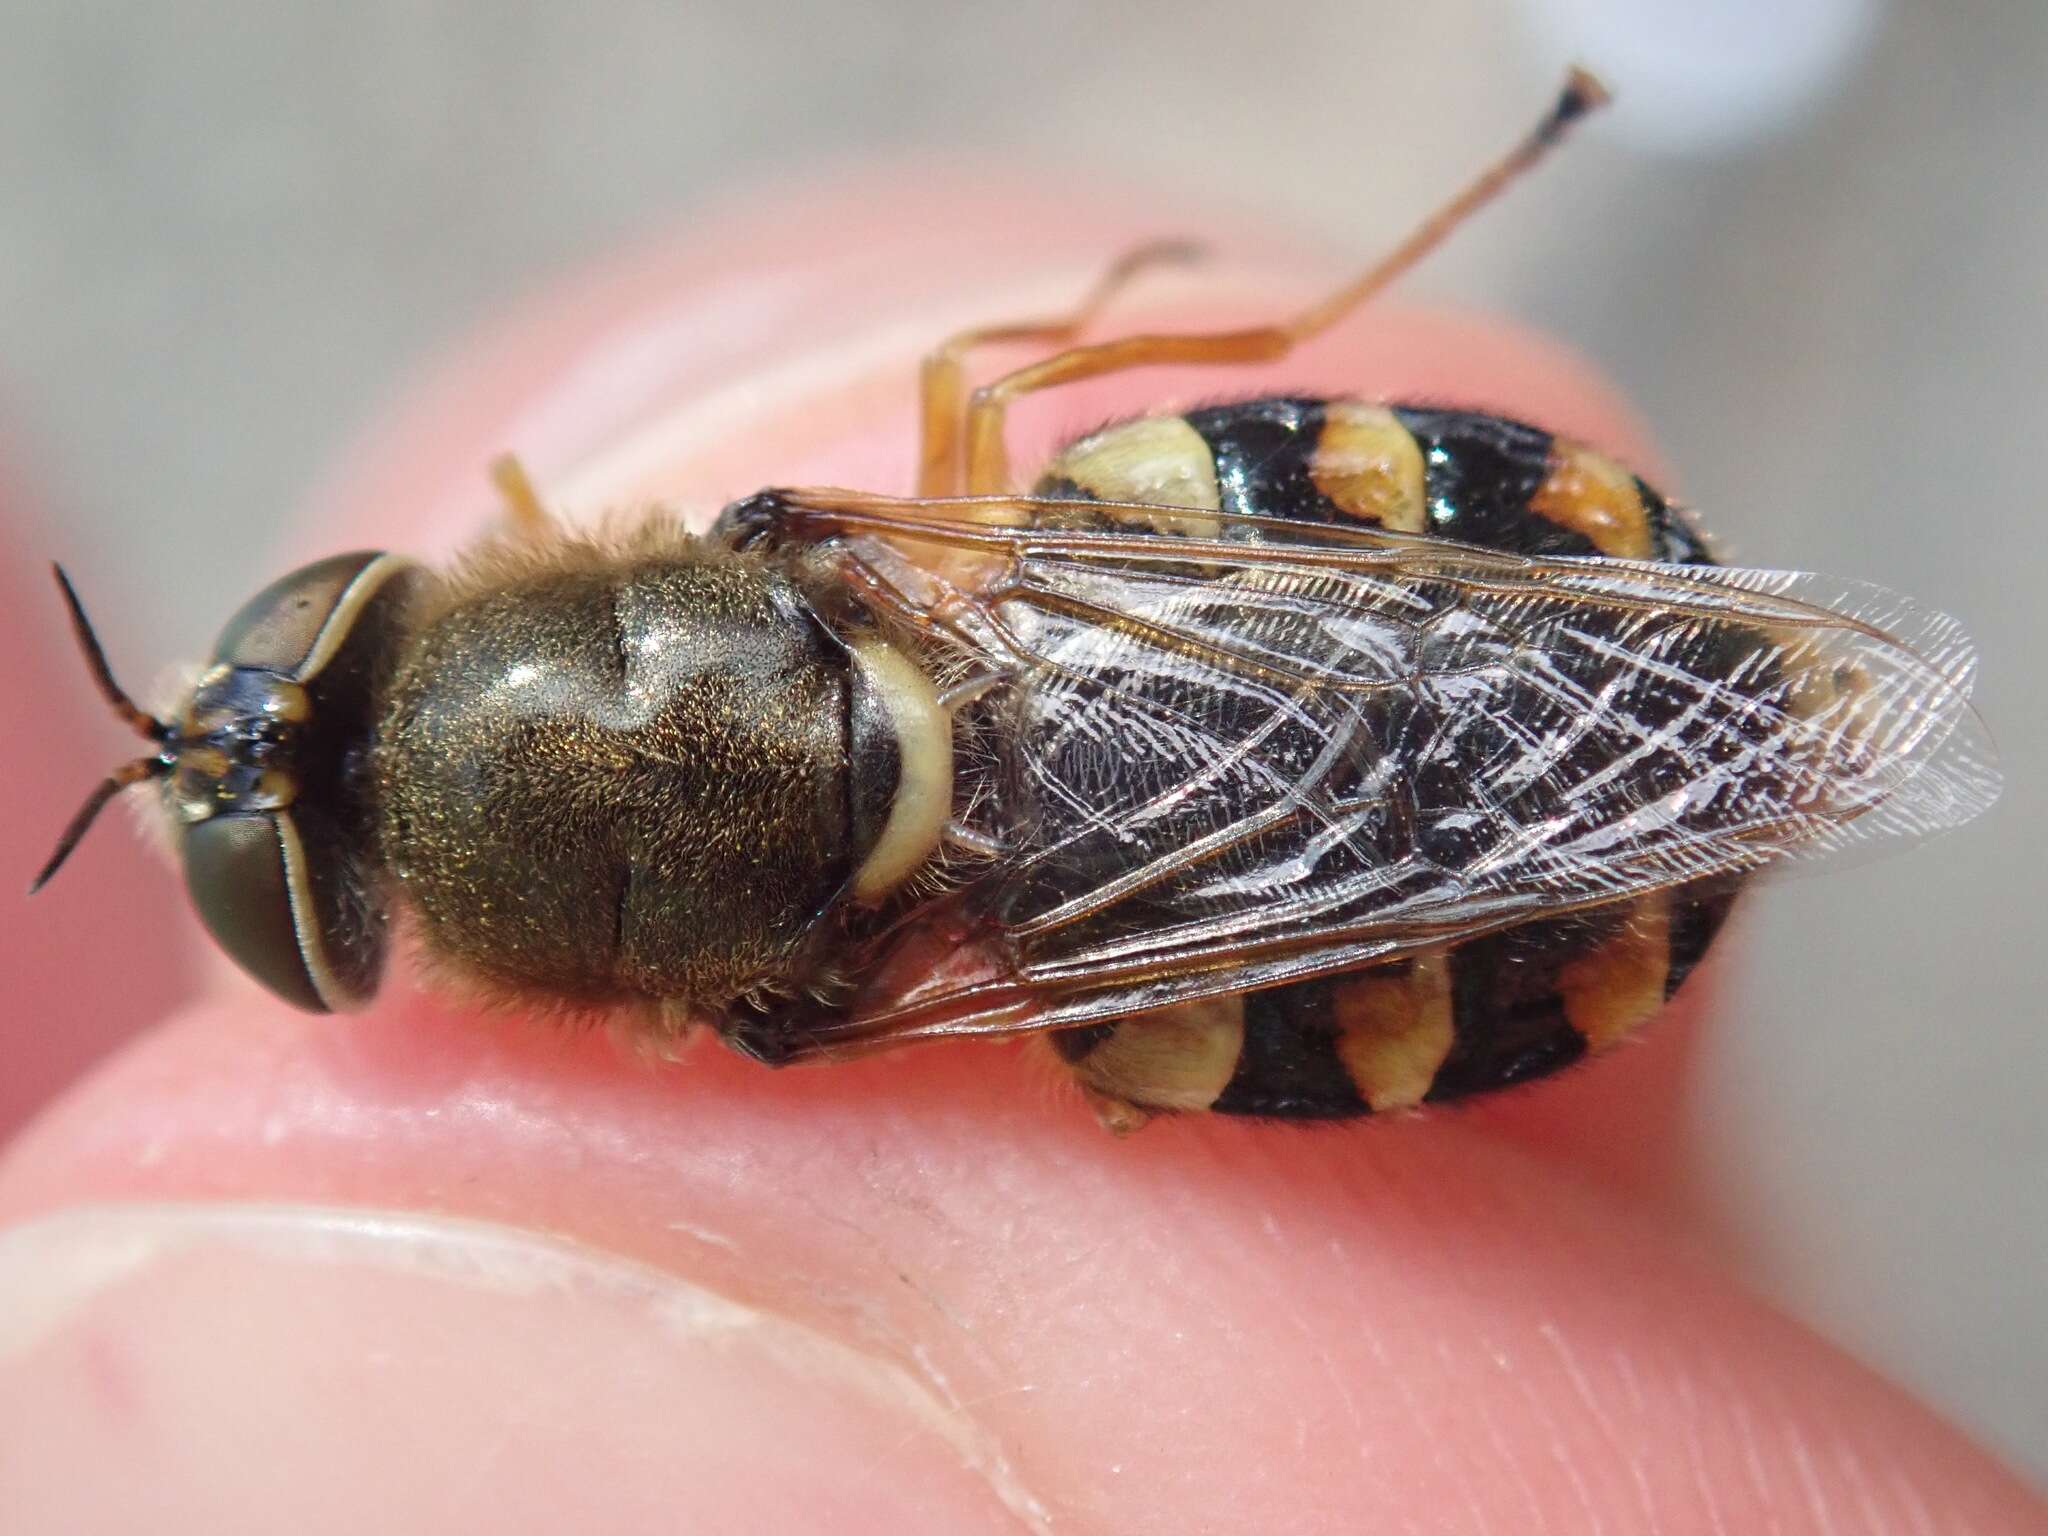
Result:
x=138 y=719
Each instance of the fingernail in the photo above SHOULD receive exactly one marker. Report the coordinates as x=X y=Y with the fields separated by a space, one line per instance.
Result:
x=229 y=1368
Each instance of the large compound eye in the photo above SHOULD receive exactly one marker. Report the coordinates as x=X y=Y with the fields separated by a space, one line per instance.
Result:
x=249 y=880
x=277 y=831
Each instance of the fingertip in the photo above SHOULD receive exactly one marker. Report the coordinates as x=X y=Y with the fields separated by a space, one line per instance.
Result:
x=438 y=1370
x=1212 y=1324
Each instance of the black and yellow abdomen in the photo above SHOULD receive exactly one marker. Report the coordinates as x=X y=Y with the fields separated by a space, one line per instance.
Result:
x=1410 y=469
x=1483 y=1014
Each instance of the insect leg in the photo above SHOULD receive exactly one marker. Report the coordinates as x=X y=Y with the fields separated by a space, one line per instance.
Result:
x=525 y=517
x=987 y=458
x=943 y=383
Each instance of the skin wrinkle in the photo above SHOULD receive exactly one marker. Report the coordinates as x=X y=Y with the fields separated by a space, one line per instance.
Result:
x=1506 y=1455
x=1916 y=1507
x=1859 y=1484
x=1560 y=1452
x=1809 y=1485
x=1628 y=1455
x=1413 y=1411
x=1642 y=1487
x=1694 y=1441
x=1312 y=1334
x=1543 y=1411
x=1752 y=1456
x=1312 y=1328
x=896 y=1337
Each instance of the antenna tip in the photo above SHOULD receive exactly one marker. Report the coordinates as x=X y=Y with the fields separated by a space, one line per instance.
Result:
x=1582 y=94
x=55 y=862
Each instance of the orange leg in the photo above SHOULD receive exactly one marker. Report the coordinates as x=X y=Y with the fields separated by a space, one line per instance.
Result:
x=525 y=517
x=988 y=470
x=943 y=385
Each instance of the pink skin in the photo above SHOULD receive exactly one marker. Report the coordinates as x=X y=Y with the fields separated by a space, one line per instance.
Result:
x=922 y=1292
x=73 y=996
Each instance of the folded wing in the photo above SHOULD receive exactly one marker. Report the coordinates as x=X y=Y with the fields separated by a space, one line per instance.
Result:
x=1229 y=763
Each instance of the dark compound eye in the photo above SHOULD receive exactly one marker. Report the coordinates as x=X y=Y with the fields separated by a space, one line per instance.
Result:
x=248 y=880
x=275 y=837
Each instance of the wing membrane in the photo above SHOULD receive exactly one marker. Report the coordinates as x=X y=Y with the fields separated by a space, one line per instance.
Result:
x=1229 y=763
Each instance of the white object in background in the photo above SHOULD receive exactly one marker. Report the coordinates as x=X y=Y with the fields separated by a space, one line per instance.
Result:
x=1702 y=78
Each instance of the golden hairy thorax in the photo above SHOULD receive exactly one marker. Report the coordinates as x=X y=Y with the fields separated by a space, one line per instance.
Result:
x=609 y=776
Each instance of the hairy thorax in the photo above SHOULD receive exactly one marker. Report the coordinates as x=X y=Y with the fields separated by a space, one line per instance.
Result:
x=618 y=779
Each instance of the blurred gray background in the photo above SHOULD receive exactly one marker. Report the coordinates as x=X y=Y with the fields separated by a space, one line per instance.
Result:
x=1813 y=248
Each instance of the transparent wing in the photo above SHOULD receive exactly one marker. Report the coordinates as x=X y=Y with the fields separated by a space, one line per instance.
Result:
x=1227 y=763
